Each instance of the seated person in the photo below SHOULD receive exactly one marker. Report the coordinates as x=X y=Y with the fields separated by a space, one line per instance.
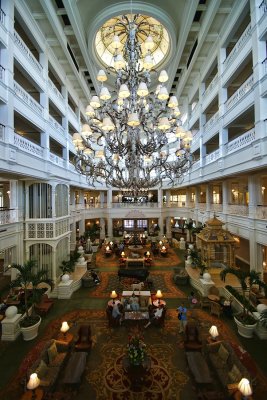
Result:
x=126 y=304
x=157 y=314
x=134 y=302
x=95 y=277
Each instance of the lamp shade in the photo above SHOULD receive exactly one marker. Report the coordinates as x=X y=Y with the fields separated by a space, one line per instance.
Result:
x=124 y=91
x=159 y=295
x=163 y=76
x=244 y=387
x=95 y=102
x=77 y=139
x=214 y=332
x=149 y=44
x=148 y=62
x=133 y=119
x=119 y=62
x=90 y=111
x=176 y=112
x=122 y=254
x=101 y=76
x=33 y=382
x=163 y=123
x=107 y=124
x=64 y=327
x=86 y=130
x=116 y=43
x=113 y=294
x=147 y=253
x=173 y=102
x=104 y=93
x=142 y=90
x=163 y=93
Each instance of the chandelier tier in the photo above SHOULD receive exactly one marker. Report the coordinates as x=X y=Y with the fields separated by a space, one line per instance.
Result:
x=133 y=139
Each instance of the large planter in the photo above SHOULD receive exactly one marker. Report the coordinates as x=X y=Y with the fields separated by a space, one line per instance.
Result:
x=245 y=330
x=30 y=332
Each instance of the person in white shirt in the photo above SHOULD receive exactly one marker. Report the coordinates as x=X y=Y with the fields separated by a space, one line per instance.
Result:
x=157 y=314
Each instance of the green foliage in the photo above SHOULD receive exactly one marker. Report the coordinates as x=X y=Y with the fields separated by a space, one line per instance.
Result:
x=28 y=278
x=240 y=298
x=68 y=266
x=92 y=232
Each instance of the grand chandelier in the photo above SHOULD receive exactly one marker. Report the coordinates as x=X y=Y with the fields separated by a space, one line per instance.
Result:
x=133 y=139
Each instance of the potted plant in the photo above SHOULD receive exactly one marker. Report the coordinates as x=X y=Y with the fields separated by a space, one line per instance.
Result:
x=28 y=278
x=245 y=321
x=68 y=266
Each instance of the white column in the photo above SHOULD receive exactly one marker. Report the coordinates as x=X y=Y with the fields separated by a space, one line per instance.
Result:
x=109 y=198
x=168 y=228
x=168 y=198
x=102 y=228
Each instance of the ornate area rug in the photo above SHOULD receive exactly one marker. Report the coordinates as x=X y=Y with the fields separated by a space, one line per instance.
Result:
x=172 y=260
x=162 y=280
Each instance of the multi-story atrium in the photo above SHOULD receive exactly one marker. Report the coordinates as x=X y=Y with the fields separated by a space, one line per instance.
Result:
x=51 y=51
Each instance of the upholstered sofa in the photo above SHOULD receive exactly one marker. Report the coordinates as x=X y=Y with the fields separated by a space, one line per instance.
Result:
x=49 y=363
x=180 y=276
x=143 y=301
x=226 y=363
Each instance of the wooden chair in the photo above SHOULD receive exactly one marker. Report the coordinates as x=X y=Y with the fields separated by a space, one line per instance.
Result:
x=215 y=308
x=192 y=340
x=84 y=342
x=214 y=290
x=203 y=301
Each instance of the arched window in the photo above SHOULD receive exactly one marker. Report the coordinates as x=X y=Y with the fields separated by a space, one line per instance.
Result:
x=61 y=200
x=40 y=200
x=42 y=254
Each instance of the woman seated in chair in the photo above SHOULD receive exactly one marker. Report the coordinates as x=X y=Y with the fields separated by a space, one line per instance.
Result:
x=158 y=314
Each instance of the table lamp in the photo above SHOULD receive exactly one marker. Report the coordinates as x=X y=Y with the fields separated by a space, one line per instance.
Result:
x=111 y=244
x=159 y=295
x=33 y=383
x=107 y=248
x=122 y=254
x=245 y=388
x=160 y=242
x=214 y=332
x=64 y=328
x=163 y=249
x=113 y=295
x=148 y=254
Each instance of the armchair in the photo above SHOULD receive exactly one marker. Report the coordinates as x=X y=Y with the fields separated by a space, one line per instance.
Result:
x=215 y=308
x=156 y=321
x=84 y=342
x=192 y=341
x=113 y=322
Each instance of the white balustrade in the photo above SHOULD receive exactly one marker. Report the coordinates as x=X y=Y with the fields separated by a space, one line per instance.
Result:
x=2 y=17
x=264 y=63
x=72 y=112
x=211 y=85
x=55 y=89
x=56 y=125
x=212 y=121
x=237 y=209
x=246 y=35
x=2 y=132
x=28 y=146
x=22 y=94
x=134 y=205
x=261 y=212
x=240 y=93
x=196 y=165
x=8 y=216
x=56 y=160
x=241 y=141
x=263 y=8
x=26 y=51
x=202 y=206
x=2 y=74
x=212 y=156
x=216 y=207
x=47 y=229
x=196 y=136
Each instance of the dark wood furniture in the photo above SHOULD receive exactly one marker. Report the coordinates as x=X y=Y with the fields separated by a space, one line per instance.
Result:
x=39 y=394
x=140 y=274
x=192 y=340
x=84 y=342
x=44 y=306
x=198 y=367
x=75 y=368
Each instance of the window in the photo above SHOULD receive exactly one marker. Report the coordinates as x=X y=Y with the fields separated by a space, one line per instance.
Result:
x=142 y=223
x=128 y=223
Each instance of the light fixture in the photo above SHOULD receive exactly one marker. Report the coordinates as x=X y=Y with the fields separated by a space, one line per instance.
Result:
x=122 y=254
x=137 y=133
x=245 y=388
x=64 y=328
x=148 y=254
x=33 y=384
x=214 y=332
x=159 y=296
x=113 y=295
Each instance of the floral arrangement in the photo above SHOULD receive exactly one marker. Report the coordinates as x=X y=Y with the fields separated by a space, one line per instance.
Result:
x=136 y=349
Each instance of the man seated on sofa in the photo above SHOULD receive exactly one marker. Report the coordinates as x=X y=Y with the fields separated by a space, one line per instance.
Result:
x=134 y=302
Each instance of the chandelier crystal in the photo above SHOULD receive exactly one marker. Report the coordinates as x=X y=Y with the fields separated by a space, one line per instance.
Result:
x=133 y=139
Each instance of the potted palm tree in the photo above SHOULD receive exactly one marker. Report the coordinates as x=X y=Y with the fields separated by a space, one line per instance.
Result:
x=28 y=279
x=245 y=321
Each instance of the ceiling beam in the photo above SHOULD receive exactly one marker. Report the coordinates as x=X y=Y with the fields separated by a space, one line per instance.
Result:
x=61 y=11
x=38 y=15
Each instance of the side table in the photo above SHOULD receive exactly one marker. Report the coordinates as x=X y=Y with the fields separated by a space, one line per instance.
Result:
x=238 y=396
x=39 y=393
x=67 y=338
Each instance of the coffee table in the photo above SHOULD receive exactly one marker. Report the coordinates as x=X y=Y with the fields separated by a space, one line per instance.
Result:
x=136 y=315
x=198 y=367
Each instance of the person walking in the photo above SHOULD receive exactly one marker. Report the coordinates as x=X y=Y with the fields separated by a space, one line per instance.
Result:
x=182 y=310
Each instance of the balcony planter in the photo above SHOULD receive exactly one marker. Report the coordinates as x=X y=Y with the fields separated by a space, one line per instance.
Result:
x=244 y=329
x=30 y=328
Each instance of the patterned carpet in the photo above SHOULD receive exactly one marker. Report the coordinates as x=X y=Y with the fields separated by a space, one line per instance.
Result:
x=160 y=280
x=168 y=377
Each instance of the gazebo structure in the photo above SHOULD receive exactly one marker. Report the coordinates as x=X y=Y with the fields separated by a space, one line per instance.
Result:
x=217 y=245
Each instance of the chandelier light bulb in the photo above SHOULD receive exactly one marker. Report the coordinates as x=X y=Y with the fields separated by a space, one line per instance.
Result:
x=101 y=76
x=142 y=90
x=107 y=124
x=124 y=92
x=76 y=139
x=148 y=62
x=133 y=119
x=180 y=132
x=163 y=93
x=119 y=62
x=90 y=111
x=116 y=43
x=163 y=123
x=163 y=76
x=104 y=94
x=176 y=112
x=95 y=102
x=149 y=44
x=173 y=102
x=86 y=130
x=188 y=136
x=88 y=152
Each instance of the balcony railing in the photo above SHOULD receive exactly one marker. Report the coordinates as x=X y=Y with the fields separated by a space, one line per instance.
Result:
x=28 y=146
x=212 y=156
x=216 y=207
x=29 y=100
x=135 y=204
x=26 y=51
x=56 y=125
x=8 y=216
x=264 y=63
x=47 y=229
x=211 y=85
x=212 y=121
x=246 y=35
x=2 y=73
x=196 y=136
x=2 y=17
x=263 y=7
x=56 y=160
x=240 y=142
x=261 y=212
x=2 y=132
x=55 y=89
x=196 y=165
x=237 y=209
x=240 y=93
x=72 y=112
